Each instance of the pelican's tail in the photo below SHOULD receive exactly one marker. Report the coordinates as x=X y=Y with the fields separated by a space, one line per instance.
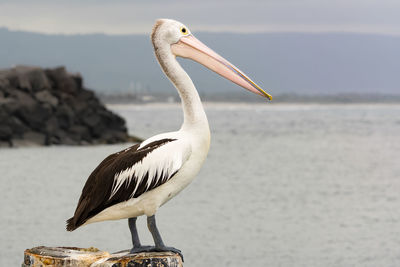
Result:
x=71 y=224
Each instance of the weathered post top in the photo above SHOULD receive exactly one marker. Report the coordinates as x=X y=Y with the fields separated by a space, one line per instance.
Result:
x=93 y=257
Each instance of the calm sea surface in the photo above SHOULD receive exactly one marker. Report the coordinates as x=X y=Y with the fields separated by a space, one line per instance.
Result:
x=283 y=185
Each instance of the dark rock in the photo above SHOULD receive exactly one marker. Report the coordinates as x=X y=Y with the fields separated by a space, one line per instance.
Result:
x=70 y=142
x=5 y=144
x=80 y=133
x=65 y=116
x=26 y=77
x=62 y=80
x=47 y=97
x=58 y=136
x=4 y=83
x=111 y=137
x=114 y=121
x=98 y=129
x=35 y=137
x=5 y=102
x=85 y=95
x=78 y=80
x=35 y=117
x=44 y=107
x=79 y=106
x=33 y=76
x=5 y=132
x=8 y=105
x=23 y=99
x=16 y=126
x=91 y=119
x=15 y=80
x=19 y=128
x=62 y=137
x=30 y=138
x=52 y=126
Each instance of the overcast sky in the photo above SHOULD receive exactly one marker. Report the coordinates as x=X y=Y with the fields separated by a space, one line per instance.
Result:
x=133 y=16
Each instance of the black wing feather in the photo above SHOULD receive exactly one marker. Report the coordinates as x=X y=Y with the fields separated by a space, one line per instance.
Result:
x=96 y=193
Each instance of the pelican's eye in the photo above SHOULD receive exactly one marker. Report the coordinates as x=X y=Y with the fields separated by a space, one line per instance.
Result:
x=184 y=31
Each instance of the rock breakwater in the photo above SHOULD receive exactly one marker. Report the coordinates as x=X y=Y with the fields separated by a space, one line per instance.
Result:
x=50 y=106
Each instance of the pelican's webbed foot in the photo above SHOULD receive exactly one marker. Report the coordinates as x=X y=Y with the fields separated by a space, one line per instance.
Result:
x=159 y=244
x=141 y=249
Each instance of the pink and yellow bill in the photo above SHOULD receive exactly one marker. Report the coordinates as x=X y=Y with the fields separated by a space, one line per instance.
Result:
x=190 y=47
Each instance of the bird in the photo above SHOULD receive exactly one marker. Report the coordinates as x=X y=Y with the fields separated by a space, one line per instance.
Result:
x=140 y=179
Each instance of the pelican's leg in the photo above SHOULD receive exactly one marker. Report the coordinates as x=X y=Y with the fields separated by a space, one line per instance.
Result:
x=151 y=224
x=134 y=233
x=137 y=247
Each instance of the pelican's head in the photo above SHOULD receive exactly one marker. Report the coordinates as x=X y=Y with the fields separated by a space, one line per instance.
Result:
x=174 y=36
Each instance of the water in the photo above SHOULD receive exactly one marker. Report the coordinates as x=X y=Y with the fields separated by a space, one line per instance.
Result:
x=284 y=185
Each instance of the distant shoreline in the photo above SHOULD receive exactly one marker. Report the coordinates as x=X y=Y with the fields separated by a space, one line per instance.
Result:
x=250 y=99
x=248 y=105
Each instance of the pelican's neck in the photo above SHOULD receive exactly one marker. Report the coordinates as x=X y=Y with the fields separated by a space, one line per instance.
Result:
x=194 y=115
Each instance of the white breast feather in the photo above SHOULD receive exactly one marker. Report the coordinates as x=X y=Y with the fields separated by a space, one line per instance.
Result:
x=164 y=160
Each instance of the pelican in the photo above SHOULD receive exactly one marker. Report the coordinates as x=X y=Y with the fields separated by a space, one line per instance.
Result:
x=140 y=179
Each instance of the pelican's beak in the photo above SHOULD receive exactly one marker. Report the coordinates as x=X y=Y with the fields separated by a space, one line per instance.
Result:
x=189 y=47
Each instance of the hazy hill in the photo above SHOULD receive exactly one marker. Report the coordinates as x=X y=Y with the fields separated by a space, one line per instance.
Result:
x=280 y=62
